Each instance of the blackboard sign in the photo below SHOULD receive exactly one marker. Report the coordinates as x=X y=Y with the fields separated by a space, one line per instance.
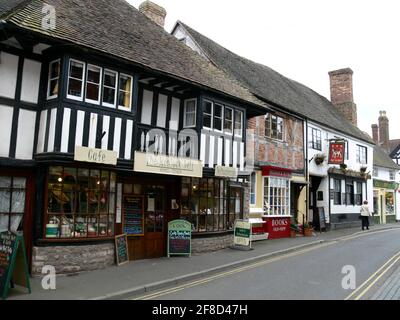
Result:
x=13 y=262
x=322 y=219
x=179 y=238
x=121 y=249
x=133 y=216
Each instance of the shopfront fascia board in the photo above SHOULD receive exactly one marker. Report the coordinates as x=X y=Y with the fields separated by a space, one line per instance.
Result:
x=93 y=155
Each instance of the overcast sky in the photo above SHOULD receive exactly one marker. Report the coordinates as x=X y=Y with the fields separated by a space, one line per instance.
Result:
x=304 y=39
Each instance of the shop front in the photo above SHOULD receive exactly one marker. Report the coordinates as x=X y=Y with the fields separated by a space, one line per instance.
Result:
x=276 y=197
x=384 y=201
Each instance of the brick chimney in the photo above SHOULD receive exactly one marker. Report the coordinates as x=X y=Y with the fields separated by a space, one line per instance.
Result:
x=375 y=133
x=342 y=93
x=154 y=12
x=384 y=131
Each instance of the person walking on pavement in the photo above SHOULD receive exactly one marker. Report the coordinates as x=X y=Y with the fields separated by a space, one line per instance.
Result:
x=365 y=214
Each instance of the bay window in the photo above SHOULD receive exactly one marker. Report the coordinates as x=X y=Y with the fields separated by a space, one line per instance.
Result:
x=109 y=88
x=80 y=203
x=75 y=80
x=54 y=76
x=125 y=92
x=276 y=196
x=93 y=84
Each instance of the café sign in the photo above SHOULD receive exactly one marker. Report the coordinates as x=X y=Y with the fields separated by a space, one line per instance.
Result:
x=162 y=164
x=95 y=155
x=226 y=172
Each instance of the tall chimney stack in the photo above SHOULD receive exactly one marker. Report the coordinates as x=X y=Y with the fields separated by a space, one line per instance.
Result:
x=154 y=12
x=375 y=133
x=341 y=82
x=384 y=131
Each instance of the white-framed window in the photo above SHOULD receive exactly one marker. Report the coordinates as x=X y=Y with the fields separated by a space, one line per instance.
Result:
x=125 y=92
x=218 y=117
x=238 y=123
x=392 y=175
x=274 y=126
x=110 y=88
x=228 y=120
x=207 y=114
x=75 y=80
x=315 y=139
x=189 y=113
x=93 y=84
x=54 y=79
x=361 y=154
x=277 y=196
x=253 y=188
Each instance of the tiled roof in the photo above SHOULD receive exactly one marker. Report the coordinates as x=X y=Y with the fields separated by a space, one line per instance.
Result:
x=381 y=159
x=275 y=88
x=117 y=28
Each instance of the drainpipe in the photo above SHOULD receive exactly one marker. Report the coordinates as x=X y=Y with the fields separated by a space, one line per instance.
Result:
x=307 y=171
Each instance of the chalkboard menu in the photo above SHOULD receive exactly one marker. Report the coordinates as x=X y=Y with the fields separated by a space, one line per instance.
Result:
x=13 y=262
x=121 y=249
x=322 y=219
x=179 y=238
x=133 y=215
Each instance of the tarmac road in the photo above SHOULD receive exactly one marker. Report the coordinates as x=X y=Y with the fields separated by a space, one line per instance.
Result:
x=314 y=273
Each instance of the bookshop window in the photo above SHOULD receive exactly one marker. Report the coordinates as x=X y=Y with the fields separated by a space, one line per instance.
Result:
x=80 y=203
x=204 y=203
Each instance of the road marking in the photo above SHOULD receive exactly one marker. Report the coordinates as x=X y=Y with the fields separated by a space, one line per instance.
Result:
x=397 y=255
x=250 y=266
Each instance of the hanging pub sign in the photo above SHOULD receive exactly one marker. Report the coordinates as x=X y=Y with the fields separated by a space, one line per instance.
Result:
x=13 y=263
x=336 y=152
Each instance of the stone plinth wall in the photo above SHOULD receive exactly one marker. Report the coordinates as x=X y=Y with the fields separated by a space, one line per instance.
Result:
x=208 y=244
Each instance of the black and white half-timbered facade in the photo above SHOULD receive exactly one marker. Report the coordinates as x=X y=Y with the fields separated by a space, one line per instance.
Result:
x=113 y=128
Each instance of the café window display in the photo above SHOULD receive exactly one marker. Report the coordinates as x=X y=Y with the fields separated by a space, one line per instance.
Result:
x=80 y=203
x=208 y=206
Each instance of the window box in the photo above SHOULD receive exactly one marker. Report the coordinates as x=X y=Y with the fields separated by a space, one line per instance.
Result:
x=319 y=158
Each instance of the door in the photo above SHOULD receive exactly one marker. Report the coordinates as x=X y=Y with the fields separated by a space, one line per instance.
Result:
x=155 y=210
x=16 y=206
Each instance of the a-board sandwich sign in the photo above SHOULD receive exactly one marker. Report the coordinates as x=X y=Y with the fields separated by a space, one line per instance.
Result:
x=179 y=238
x=13 y=262
x=242 y=233
x=121 y=249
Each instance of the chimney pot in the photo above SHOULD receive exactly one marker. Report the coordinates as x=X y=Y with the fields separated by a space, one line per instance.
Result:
x=154 y=12
x=384 y=131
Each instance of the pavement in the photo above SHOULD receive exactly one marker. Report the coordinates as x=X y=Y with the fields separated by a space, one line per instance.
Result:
x=390 y=290
x=138 y=277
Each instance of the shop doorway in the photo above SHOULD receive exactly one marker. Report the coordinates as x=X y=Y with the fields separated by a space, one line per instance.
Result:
x=16 y=190
x=313 y=208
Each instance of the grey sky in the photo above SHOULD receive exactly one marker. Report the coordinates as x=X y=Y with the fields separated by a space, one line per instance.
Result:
x=304 y=39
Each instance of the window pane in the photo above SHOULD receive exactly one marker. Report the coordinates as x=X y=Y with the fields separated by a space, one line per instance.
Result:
x=92 y=91
x=124 y=99
x=53 y=87
x=16 y=223
x=5 y=182
x=76 y=70
x=19 y=182
x=75 y=88
x=4 y=219
x=110 y=79
x=80 y=226
x=55 y=69
x=109 y=95
x=207 y=121
x=18 y=201
x=208 y=107
x=4 y=201
x=93 y=74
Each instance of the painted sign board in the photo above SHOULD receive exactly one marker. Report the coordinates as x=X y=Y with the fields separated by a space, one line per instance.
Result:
x=13 y=262
x=277 y=227
x=121 y=249
x=336 y=153
x=242 y=232
x=179 y=238
x=168 y=165
x=226 y=172
x=93 y=155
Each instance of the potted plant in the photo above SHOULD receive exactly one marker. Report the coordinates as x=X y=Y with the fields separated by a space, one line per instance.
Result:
x=308 y=230
x=319 y=158
x=363 y=169
x=343 y=167
x=294 y=228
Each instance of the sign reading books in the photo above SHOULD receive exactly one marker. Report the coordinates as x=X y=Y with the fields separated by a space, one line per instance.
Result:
x=242 y=233
x=133 y=211
x=13 y=263
x=121 y=249
x=179 y=238
x=336 y=152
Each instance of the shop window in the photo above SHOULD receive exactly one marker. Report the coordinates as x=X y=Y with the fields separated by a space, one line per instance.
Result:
x=349 y=193
x=273 y=127
x=75 y=80
x=276 y=196
x=12 y=203
x=54 y=76
x=208 y=206
x=389 y=201
x=80 y=203
x=337 y=193
x=190 y=113
x=125 y=92
x=358 y=194
x=93 y=77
